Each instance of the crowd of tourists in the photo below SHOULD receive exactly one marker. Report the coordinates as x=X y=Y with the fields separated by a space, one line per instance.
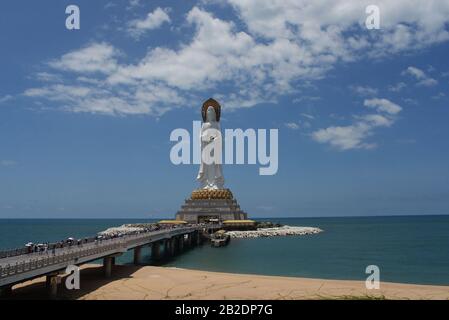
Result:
x=125 y=230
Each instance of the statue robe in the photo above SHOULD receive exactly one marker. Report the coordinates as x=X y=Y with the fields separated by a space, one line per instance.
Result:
x=210 y=176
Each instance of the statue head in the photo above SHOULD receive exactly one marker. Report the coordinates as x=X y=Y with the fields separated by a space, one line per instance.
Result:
x=210 y=114
x=211 y=104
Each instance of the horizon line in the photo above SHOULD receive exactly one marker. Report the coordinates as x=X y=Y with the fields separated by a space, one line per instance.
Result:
x=283 y=217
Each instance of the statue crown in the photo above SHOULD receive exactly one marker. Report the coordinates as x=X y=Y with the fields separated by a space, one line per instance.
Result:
x=211 y=103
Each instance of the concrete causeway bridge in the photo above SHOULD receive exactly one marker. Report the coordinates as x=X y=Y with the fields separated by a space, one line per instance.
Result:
x=53 y=263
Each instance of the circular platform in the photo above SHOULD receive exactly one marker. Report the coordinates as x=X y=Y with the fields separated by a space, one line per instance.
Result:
x=212 y=194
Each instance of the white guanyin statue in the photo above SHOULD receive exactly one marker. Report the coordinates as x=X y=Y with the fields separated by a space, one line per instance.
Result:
x=210 y=174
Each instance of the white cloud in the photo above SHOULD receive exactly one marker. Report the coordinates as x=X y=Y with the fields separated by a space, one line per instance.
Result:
x=59 y=92
x=6 y=98
x=421 y=76
x=308 y=116
x=383 y=105
x=364 y=90
x=376 y=120
x=354 y=136
x=274 y=48
x=410 y=101
x=405 y=24
x=292 y=125
x=218 y=54
x=306 y=98
x=417 y=73
x=439 y=96
x=145 y=99
x=345 y=138
x=110 y=5
x=48 y=77
x=97 y=57
x=133 y=4
x=429 y=82
x=152 y=21
x=397 y=87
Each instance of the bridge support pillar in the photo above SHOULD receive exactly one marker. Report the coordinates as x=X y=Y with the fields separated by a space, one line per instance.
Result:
x=52 y=282
x=175 y=244
x=192 y=239
x=199 y=239
x=137 y=254
x=181 y=243
x=172 y=246
x=189 y=239
x=156 y=250
x=107 y=266
x=5 y=291
x=167 y=248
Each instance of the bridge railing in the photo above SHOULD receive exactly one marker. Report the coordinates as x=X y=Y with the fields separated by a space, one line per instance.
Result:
x=71 y=254
x=75 y=252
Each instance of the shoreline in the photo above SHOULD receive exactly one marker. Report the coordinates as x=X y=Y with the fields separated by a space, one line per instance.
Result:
x=130 y=282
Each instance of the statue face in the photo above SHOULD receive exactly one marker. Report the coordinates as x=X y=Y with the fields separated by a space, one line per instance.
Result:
x=210 y=114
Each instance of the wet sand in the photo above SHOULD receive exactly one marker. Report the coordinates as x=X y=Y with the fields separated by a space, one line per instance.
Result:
x=149 y=282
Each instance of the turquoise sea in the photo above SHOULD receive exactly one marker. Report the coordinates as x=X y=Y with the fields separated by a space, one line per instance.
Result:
x=410 y=249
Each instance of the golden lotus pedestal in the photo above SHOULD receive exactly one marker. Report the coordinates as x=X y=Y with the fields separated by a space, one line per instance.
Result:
x=212 y=194
x=210 y=205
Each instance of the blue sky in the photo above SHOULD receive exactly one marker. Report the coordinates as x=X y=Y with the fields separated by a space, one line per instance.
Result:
x=86 y=115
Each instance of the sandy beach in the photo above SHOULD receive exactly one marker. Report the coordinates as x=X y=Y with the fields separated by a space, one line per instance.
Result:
x=150 y=282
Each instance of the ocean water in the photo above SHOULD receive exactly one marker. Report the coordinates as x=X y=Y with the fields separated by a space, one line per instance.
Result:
x=409 y=249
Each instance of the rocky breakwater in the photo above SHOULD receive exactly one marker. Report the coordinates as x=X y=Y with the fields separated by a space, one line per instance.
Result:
x=123 y=230
x=275 y=232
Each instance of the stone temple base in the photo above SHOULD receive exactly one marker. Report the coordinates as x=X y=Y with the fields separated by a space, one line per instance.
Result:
x=205 y=205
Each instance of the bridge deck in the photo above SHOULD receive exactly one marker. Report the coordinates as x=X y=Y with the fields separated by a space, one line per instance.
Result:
x=28 y=266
